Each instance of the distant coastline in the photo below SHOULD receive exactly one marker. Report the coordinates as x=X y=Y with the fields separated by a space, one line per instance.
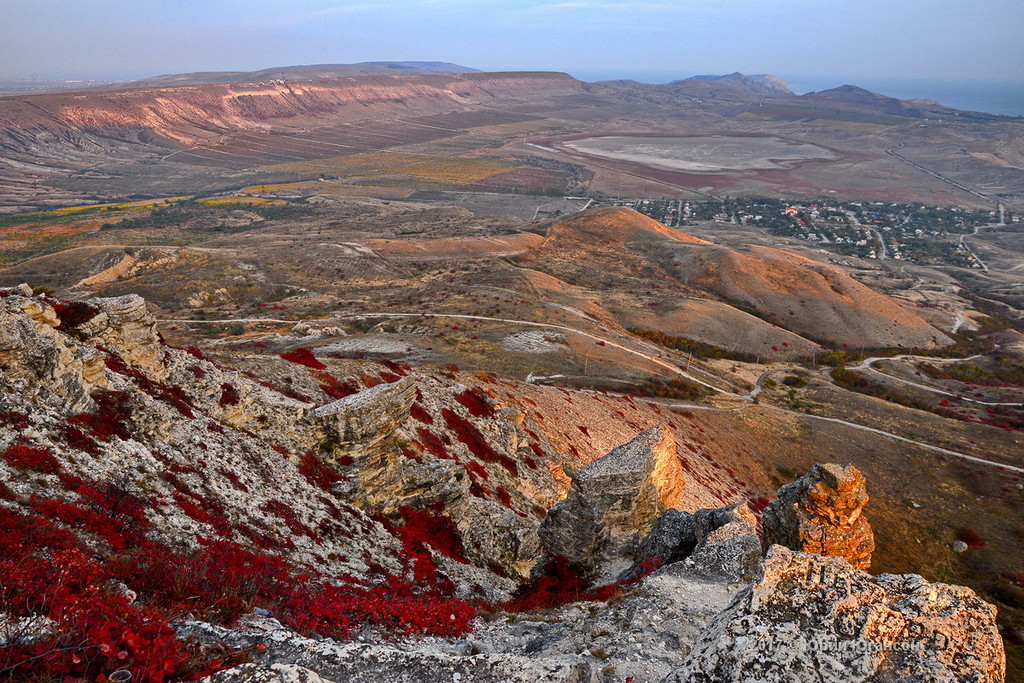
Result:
x=991 y=97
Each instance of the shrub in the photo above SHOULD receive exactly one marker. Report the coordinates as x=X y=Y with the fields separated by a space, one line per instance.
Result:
x=476 y=402
x=436 y=531
x=228 y=395
x=558 y=584
x=303 y=356
x=469 y=435
x=317 y=473
x=971 y=537
x=24 y=457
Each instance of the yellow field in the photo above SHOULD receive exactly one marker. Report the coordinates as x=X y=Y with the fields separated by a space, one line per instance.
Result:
x=120 y=206
x=441 y=169
x=218 y=201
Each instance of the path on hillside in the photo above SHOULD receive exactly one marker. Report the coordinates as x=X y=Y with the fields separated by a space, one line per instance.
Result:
x=868 y=364
x=892 y=152
x=748 y=397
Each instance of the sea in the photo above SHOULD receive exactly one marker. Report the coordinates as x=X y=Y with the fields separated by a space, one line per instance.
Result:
x=991 y=97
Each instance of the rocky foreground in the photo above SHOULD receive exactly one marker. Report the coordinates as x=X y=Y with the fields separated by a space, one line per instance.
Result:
x=167 y=517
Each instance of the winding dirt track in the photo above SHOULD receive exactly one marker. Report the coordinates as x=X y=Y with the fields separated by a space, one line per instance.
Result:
x=749 y=397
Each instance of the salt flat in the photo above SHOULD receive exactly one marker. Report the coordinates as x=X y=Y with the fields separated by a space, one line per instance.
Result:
x=704 y=154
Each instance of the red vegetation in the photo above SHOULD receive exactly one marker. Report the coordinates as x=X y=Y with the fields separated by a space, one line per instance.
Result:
x=14 y=419
x=318 y=473
x=73 y=314
x=971 y=537
x=47 y=572
x=504 y=496
x=288 y=516
x=560 y=583
x=420 y=414
x=476 y=402
x=113 y=410
x=757 y=505
x=169 y=394
x=303 y=356
x=472 y=438
x=432 y=443
x=228 y=395
x=24 y=457
x=436 y=531
x=334 y=387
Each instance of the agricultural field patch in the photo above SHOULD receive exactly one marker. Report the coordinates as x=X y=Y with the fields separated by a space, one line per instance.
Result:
x=378 y=164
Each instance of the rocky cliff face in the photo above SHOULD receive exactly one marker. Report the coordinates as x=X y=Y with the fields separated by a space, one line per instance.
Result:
x=822 y=513
x=384 y=506
x=189 y=114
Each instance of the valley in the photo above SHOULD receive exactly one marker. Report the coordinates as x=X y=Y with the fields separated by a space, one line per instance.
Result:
x=530 y=271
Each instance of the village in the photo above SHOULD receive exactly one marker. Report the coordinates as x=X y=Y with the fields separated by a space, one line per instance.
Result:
x=915 y=233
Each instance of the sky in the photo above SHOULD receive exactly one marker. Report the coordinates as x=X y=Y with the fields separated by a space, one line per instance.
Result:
x=651 y=40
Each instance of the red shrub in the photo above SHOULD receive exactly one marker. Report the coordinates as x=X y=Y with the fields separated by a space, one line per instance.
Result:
x=432 y=443
x=475 y=442
x=76 y=438
x=234 y=479
x=169 y=394
x=971 y=537
x=436 y=531
x=317 y=473
x=24 y=457
x=73 y=314
x=476 y=402
x=559 y=584
x=14 y=419
x=303 y=356
x=204 y=514
x=420 y=414
x=504 y=496
x=288 y=516
x=757 y=505
x=334 y=387
x=228 y=395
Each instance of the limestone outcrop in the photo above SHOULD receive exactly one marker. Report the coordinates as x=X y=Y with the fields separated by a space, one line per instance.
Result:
x=360 y=422
x=42 y=364
x=123 y=325
x=614 y=501
x=808 y=617
x=821 y=513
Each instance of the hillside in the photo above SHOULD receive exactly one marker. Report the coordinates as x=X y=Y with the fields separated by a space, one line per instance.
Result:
x=785 y=290
x=373 y=501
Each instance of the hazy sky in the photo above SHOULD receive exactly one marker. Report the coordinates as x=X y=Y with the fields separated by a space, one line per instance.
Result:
x=591 y=39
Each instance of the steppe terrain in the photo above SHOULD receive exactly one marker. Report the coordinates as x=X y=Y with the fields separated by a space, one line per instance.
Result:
x=466 y=225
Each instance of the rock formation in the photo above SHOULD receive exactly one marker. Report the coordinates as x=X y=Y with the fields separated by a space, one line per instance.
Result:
x=614 y=501
x=40 y=362
x=360 y=422
x=808 y=617
x=718 y=543
x=821 y=513
x=124 y=325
